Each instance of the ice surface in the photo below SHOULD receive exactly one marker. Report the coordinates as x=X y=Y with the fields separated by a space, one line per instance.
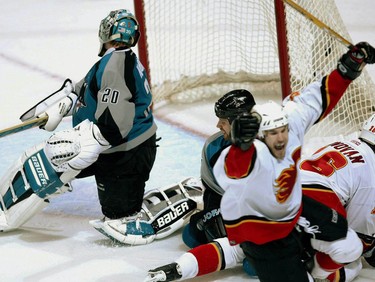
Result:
x=41 y=44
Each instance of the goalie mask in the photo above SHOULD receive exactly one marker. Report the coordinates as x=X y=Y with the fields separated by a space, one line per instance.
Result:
x=119 y=26
x=368 y=130
x=233 y=104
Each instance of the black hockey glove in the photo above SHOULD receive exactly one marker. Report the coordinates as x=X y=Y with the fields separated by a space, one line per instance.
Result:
x=352 y=62
x=244 y=129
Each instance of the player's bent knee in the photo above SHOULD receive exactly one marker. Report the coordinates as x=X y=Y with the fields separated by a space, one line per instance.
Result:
x=233 y=254
x=351 y=251
x=342 y=251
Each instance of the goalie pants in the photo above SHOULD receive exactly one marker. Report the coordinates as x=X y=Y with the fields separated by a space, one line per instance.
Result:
x=121 y=178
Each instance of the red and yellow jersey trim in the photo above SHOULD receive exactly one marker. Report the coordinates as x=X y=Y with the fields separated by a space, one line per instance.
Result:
x=258 y=230
x=325 y=196
x=332 y=89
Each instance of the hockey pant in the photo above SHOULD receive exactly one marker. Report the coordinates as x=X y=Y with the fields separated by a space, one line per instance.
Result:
x=279 y=260
x=335 y=244
x=331 y=256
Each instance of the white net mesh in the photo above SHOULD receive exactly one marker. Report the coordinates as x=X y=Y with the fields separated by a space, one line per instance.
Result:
x=313 y=53
x=198 y=49
x=202 y=48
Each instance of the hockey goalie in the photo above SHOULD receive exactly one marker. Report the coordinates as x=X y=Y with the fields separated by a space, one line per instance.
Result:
x=33 y=180
x=43 y=172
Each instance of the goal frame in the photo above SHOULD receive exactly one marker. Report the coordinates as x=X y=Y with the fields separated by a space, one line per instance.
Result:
x=282 y=49
x=281 y=40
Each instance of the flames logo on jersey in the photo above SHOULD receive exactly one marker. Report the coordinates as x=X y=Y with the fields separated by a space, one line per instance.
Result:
x=293 y=95
x=287 y=179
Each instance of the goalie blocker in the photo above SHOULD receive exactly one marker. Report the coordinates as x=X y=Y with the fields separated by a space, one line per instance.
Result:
x=164 y=211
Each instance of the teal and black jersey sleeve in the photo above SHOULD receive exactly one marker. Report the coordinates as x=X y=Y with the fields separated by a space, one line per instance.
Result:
x=116 y=96
x=210 y=153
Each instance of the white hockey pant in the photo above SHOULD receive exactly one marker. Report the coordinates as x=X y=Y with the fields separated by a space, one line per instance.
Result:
x=342 y=251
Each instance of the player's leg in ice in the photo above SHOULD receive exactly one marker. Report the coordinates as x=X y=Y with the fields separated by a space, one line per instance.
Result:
x=164 y=211
x=195 y=262
x=25 y=189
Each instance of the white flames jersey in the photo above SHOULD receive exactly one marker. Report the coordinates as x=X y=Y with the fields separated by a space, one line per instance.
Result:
x=348 y=168
x=262 y=198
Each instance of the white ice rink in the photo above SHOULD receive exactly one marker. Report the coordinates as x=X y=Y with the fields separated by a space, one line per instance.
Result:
x=41 y=44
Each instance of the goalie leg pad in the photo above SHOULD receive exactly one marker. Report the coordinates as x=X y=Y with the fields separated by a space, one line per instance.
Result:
x=20 y=213
x=169 y=208
x=25 y=186
x=164 y=211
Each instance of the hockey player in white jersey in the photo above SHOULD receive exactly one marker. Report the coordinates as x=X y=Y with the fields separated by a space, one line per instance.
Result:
x=340 y=176
x=341 y=167
x=262 y=200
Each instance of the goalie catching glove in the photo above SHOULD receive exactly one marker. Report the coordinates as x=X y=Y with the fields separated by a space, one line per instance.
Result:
x=352 y=62
x=164 y=211
x=70 y=151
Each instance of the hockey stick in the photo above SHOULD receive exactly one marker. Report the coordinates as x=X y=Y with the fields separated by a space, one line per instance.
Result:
x=319 y=23
x=38 y=121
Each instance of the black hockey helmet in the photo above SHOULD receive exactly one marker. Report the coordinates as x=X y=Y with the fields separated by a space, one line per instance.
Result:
x=234 y=103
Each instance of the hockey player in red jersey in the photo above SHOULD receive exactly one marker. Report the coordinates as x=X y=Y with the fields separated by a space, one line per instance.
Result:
x=262 y=200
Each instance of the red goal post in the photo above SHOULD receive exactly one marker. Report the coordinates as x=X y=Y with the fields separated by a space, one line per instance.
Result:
x=194 y=50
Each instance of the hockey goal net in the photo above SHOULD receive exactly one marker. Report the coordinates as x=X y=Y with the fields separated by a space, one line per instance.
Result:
x=196 y=49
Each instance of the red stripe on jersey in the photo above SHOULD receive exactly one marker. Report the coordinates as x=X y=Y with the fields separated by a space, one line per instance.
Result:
x=259 y=231
x=324 y=196
x=238 y=163
x=333 y=89
x=209 y=258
